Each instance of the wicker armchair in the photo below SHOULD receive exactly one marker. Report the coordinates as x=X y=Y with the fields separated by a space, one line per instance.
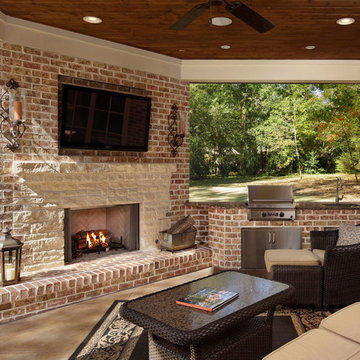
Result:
x=335 y=283
x=307 y=281
x=341 y=269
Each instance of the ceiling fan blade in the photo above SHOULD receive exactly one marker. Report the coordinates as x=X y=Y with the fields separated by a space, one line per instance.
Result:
x=189 y=17
x=249 y=16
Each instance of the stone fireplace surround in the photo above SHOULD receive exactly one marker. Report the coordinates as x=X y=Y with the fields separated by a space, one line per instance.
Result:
x=53 y=187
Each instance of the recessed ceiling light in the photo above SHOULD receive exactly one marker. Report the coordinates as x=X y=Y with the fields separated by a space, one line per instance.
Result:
x=310 y=47
x=181 y=50
x=225 y=47
x=345 y=21
x=92 y=19
x=220 y=21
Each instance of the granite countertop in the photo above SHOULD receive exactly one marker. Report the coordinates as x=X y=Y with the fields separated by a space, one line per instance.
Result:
x=299 y=205
x=327 y=205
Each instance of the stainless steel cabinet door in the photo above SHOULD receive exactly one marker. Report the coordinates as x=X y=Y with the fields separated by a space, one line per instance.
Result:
x=287 y=238
x=254 y=242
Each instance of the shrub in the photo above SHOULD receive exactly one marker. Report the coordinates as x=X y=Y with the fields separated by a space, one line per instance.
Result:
x=344 y=164
x=312 y=164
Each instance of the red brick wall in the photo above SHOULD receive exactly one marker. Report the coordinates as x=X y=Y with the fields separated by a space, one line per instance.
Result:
x=37 y=72
x=91 y=279
x=225 y=222
x=199 y=213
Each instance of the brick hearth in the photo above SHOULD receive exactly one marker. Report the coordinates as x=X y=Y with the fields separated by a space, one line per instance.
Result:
x=41 y=291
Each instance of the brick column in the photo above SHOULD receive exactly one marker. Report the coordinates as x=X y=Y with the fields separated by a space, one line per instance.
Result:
x=225 y=236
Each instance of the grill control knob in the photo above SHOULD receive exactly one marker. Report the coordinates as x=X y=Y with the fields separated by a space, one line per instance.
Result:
x=263 y=214
x=282 y=214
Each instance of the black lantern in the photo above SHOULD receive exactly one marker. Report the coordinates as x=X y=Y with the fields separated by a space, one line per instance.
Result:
x=10 y=258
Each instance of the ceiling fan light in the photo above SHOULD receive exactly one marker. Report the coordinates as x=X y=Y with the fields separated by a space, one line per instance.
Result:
x=220 y=21
x=92 y=19
x=345 y=21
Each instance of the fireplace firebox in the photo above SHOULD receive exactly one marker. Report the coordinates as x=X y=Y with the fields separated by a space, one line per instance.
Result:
x=101 y=229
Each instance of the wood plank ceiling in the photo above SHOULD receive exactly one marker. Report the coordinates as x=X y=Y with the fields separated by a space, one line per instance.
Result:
x=145 y=24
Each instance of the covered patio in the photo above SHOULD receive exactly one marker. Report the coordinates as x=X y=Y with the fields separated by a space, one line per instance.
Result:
x=133 y=50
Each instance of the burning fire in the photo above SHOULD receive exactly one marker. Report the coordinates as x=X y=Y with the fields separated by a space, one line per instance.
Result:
x=94 y=240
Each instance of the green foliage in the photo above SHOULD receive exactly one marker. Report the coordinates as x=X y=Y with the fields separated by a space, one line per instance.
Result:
x=312 y=164
x=255 y=129
x=344 y=164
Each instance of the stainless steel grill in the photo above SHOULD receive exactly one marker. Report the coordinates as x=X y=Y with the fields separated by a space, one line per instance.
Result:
x=271 y=202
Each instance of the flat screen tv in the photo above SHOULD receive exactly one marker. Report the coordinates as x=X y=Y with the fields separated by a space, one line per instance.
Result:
x=100 y=119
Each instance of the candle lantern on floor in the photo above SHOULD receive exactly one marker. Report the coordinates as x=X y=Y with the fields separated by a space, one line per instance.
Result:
x=10 y=258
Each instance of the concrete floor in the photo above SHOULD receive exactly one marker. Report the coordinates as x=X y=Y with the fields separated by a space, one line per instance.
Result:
x=55 y=334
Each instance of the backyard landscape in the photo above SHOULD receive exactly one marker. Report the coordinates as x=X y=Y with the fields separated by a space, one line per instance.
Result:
x=304 y=135
x=308 y=188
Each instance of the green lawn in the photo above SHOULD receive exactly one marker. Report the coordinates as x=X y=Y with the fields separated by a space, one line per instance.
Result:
x=309 y=188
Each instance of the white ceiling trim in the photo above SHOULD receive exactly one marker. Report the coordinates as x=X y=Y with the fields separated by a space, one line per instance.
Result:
x=43 y=37
x=271 y=70
x=69 y=43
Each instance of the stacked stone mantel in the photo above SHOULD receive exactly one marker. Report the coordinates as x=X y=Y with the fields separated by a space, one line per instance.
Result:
x=49 y=188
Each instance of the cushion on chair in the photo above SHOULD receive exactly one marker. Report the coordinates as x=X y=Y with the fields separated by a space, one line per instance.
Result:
x=345 y=322
x=320 y=254
x=316 y=344
x=348 y=235
x=289 y=257
x=355 y=357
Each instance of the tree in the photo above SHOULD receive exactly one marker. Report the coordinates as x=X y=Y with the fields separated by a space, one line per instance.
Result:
x=275 y=129
x=282 y=133
x=220 y=116
x=340 y=126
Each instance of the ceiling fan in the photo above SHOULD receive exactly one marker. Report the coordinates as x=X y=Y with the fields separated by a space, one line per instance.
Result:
x=236 y=8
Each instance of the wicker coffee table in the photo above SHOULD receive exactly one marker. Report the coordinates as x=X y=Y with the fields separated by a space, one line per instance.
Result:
x=186 y=333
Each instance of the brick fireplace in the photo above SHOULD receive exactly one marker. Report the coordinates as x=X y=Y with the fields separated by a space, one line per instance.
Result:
x=40 y=182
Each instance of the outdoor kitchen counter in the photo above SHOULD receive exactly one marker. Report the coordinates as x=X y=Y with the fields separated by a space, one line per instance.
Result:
x=220 y=204
x=298 y=205
x=327 y=205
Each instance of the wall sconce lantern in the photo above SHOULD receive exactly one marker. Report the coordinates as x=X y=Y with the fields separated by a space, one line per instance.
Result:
x=176 y=136
x=13 y=114
x=10 y=258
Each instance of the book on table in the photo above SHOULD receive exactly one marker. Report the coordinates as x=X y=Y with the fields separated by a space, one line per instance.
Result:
x=208 y=299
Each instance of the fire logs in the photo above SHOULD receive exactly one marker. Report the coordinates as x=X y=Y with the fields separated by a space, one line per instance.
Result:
x=182 y=225
x=92 y=240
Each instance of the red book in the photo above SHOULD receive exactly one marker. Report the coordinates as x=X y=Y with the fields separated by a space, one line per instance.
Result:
x=207 y=299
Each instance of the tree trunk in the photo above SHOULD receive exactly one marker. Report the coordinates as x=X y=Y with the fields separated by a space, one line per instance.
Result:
x=295 y=137
x=353 y=164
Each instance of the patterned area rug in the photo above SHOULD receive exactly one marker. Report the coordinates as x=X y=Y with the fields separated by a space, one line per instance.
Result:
x=114 y=338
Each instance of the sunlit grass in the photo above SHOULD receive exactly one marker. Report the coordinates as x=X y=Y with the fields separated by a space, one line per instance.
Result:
x=321 y=187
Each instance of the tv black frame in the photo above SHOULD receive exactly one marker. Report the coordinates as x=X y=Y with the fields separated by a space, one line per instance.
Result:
x=61 y=128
